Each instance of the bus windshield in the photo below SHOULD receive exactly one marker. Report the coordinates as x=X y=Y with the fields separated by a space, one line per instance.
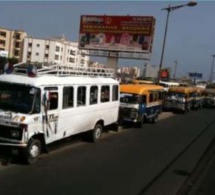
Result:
x=211 y=95
x=129 y=98
x=177 y=95
x=19 y=98
x=163 y=85
x=194 y=95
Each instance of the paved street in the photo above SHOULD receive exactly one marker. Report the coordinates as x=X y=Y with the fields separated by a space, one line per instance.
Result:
x=121 y=163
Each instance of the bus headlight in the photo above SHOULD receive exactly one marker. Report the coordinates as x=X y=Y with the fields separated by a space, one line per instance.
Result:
x=14 y=133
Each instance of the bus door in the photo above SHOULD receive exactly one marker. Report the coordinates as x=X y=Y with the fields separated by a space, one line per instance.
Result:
x=142 y=105
x=152 y=106
x=50 y=113
x=196 y=99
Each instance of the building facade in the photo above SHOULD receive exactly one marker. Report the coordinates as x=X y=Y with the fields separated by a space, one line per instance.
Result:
x=53 y=51
x=132 y=72
x=97 y=65
x=11 y=41
x=150 y=71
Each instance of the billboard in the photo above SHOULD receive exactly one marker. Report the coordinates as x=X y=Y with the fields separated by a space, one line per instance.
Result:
x=117 y=36
x=195 y=75
x=165 y=74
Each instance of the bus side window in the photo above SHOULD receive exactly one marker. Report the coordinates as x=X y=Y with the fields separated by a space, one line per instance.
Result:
x=160 y=95
x=115 y=93
x=53 y=101
x=142 y=99
x=105 y=94
x=93 y=95
x=81 y=96
x=151 y=97
x=155 y=96
x=68 y=97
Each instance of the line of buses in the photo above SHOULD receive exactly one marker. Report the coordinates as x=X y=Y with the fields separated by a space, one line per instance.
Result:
x=39 y=109
x=144 y=102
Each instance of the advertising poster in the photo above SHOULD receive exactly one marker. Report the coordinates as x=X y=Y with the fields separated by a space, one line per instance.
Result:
x=133 y=34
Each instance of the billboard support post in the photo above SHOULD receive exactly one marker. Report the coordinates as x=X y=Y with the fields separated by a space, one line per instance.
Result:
x=112 y=63
x=175 y=69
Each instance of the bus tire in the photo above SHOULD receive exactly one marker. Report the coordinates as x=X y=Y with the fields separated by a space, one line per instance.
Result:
x=96 y=133
x=121 y=122
x=188 y=109
x=154 y=119
x=141 y=122
x=32 y=151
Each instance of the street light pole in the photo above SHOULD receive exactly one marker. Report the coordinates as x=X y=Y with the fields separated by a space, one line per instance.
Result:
x=169 y=9
x=164 y=43
x=212 y=69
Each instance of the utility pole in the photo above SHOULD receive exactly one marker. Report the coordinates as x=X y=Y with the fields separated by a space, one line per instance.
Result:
x=212 y=69
x=175 y=69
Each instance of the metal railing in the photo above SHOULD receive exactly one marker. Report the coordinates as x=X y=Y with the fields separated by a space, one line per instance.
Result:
x=60 y=70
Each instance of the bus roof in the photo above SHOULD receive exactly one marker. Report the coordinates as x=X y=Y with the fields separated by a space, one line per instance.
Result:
x=169 y=82
x=181 y=89
x=139 y=89
x=198 y=89
x=142 y=82
x=48 y=80
x=209 y=90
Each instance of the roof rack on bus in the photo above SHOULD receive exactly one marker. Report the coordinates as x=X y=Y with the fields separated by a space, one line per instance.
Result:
x=59 y=70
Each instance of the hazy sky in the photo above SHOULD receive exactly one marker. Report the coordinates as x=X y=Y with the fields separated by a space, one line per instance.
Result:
x=190 y=37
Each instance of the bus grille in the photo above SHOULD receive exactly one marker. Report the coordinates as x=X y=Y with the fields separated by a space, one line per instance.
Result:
x=5 y=132
x=125 y=112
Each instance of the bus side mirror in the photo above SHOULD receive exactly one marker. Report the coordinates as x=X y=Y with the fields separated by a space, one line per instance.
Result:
x=46 y=98
x=33 y=91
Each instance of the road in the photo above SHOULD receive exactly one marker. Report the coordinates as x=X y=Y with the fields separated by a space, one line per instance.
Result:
x=129 y=162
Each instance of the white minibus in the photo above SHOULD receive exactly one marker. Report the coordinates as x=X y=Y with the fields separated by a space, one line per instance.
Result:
x=37 y=110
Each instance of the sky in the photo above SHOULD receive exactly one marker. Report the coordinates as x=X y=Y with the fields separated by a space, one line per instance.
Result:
x=190 y=37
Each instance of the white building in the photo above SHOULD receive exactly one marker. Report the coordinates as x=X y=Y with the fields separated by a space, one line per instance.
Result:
x=136 y=71
x=150 y=71
x=53 y=50
x=133 y=72
x=97 y=65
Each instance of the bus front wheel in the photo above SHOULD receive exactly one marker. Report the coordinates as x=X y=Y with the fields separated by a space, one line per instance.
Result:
x=141 y=122
x=32 y=151
x=154 y=119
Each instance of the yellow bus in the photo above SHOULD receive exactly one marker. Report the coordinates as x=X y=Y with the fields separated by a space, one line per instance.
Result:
x=209 y=98
x=140 y=103
x=197 y=97
x=179 y=98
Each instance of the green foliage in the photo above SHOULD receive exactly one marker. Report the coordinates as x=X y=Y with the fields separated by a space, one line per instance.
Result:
x=13 y=60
